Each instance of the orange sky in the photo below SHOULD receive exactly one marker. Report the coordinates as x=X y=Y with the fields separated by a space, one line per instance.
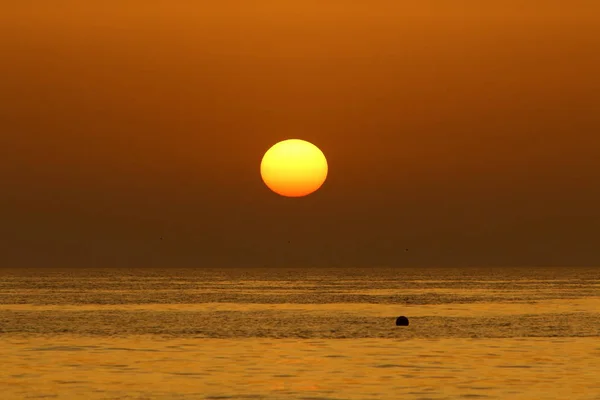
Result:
x=467 y=132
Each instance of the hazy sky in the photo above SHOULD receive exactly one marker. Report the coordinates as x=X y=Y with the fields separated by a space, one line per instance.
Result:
x=465 y=131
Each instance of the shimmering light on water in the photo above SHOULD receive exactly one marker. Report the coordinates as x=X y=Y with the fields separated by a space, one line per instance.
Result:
x=300 y=334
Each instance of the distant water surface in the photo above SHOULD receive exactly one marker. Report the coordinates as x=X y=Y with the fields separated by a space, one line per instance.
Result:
x=497 y=333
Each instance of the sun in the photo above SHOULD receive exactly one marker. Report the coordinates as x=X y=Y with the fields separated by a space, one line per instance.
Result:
x=294 y=168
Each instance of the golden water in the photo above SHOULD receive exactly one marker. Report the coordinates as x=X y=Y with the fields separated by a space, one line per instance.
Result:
x=300 y=334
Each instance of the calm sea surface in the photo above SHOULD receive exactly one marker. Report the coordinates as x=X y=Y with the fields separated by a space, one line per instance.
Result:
x=313 y=334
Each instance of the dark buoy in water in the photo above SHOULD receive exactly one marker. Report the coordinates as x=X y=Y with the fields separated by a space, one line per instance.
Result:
x=402 y=321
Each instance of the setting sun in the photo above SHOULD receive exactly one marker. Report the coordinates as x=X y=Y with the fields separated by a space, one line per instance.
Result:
x=294 y=168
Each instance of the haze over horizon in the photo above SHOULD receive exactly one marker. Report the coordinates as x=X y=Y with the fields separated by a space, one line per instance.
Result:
x=467 y=133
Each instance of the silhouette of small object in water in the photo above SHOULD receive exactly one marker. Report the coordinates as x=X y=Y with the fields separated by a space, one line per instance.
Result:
x=402 y=321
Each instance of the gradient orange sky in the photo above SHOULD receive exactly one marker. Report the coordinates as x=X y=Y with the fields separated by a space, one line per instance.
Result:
x=465 y=131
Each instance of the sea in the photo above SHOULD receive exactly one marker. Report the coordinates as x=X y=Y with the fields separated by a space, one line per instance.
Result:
x=300 y=333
